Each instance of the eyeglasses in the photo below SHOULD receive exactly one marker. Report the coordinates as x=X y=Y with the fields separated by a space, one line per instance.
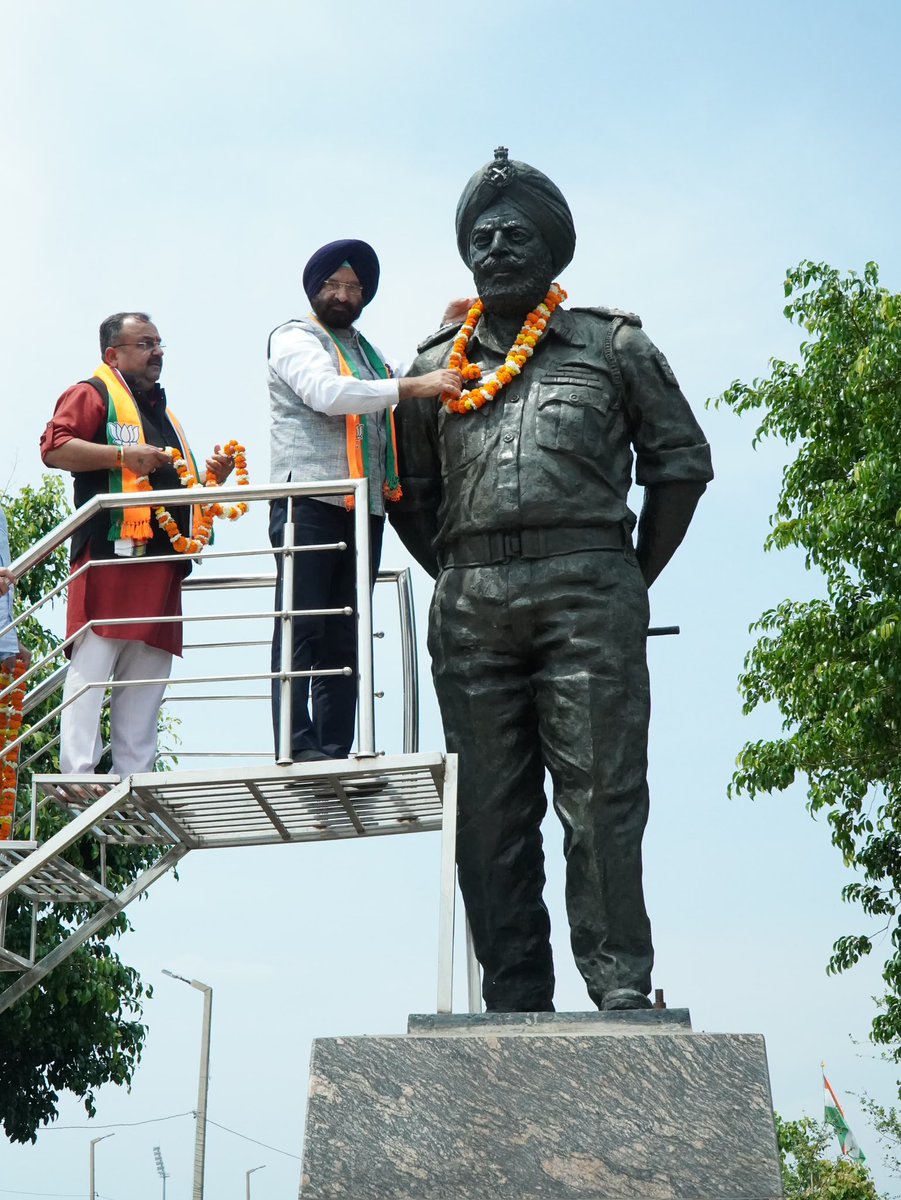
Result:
x=145 y=344
x=337 y=285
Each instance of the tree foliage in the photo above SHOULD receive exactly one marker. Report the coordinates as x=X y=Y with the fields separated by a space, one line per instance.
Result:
x=833 y=665
x=887 y=1123
x=808 y=1173
x=80 y=1027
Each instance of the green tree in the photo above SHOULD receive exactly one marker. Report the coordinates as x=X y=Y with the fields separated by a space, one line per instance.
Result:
x=807 y=1171
x=81 y=1027
x=887 y=1123
x=833 y=665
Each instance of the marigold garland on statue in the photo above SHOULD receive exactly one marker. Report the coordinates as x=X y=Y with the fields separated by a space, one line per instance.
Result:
x=533 y=330
x=203 y=526
x=10 y=724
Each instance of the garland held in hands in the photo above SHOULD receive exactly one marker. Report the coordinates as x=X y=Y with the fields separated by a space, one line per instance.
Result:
x=533 y=330
x=204 y=513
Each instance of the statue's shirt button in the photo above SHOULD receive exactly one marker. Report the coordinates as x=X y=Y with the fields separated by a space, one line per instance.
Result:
x=508 y=437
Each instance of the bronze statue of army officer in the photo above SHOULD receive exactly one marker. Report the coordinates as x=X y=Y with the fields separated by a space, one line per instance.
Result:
x=515 y=500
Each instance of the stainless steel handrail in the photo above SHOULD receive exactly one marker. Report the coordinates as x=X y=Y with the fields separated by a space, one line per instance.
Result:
x=249 y=493
x=227 y=493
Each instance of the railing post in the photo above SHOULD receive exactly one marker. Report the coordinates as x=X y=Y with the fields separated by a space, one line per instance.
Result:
x=285 y=715
x=365 y=680
x=409 y=661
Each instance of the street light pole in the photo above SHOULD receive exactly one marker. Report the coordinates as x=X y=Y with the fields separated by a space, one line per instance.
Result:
x=204 y=1080
x=94 y=1142
x=247 y=1175
x=161 y=1170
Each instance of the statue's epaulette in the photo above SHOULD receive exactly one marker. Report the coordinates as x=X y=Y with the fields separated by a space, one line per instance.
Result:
x=628 y=318
x=444 y=334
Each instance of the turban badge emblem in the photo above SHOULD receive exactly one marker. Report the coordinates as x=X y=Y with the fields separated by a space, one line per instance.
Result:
x=501 y=171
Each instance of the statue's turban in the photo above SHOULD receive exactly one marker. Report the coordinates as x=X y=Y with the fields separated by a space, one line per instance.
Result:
x=528 y=190
x=359 y=256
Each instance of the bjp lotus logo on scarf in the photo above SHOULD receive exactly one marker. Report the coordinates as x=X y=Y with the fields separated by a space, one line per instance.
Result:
x=121 y=434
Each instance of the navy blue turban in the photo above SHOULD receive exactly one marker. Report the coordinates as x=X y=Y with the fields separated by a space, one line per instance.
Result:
x=359 y=255
x=529 y=191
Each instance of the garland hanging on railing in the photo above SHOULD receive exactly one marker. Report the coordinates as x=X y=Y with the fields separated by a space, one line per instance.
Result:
x=10 y=724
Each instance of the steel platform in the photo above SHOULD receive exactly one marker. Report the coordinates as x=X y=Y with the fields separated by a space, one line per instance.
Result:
x=268 y=805
x=182 y=811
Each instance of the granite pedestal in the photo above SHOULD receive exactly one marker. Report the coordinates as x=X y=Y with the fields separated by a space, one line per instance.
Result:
x=569 y=1106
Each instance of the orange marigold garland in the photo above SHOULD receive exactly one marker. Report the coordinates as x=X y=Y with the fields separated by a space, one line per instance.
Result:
x=203 y=526
x=10 y=724
x=533 y=330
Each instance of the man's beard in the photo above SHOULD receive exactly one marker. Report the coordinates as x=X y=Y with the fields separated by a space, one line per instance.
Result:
x=514 y=292
x=338 y=314
x=138 y=385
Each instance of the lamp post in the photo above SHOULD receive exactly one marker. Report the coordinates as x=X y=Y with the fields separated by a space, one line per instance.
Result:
x=94 y=1142
x=161 y=1170
x=247 y=1175
x=204 y=1081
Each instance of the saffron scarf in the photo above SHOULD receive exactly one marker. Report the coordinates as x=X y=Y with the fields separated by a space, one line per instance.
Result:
x=130 y=526
x=357 y=439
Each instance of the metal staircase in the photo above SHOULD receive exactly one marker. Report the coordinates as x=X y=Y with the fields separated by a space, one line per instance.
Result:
x=174 y=812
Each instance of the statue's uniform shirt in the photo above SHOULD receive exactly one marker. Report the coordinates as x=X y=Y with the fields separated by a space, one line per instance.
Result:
x=556 y=446
x=538 y=629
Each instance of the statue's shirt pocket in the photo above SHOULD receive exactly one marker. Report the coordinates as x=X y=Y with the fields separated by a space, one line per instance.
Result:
x=573 y=414
x=462 y=437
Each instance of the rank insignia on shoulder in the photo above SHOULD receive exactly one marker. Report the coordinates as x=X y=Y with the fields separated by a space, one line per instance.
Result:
x=628 y=318
x=444 y=334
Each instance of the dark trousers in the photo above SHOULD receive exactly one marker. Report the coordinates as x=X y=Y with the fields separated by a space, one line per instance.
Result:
x=322 y=579
x=541 y=664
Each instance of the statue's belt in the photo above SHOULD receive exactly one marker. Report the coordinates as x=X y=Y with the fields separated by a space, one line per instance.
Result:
x=481 y=549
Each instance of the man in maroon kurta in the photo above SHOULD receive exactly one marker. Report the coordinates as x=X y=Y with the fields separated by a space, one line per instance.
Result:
x=139 y=590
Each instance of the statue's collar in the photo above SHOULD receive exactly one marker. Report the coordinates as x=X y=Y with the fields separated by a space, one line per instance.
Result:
x=563 y=326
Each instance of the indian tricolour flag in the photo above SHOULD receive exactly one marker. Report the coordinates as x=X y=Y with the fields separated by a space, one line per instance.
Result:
x=836 y=1118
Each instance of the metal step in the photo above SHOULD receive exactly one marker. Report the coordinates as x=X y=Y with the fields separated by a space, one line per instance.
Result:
x=55 y=882
x=13 y=962
x=128 y=823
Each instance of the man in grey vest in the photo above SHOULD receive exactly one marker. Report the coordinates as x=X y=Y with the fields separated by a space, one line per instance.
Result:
x=331 y=395
x=515 y=497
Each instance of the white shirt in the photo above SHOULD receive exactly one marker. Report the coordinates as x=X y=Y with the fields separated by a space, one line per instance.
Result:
x=300 y=360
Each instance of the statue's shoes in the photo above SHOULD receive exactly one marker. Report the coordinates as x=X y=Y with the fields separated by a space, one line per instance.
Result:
x=624 y=998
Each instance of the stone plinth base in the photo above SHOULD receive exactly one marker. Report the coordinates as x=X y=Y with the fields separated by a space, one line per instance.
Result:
x=542 y=1024
x=575 y=1106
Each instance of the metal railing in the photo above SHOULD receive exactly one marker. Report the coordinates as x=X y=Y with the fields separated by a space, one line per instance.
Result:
x=42 y=686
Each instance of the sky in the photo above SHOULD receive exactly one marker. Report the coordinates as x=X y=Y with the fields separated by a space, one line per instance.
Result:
x=186 y=158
